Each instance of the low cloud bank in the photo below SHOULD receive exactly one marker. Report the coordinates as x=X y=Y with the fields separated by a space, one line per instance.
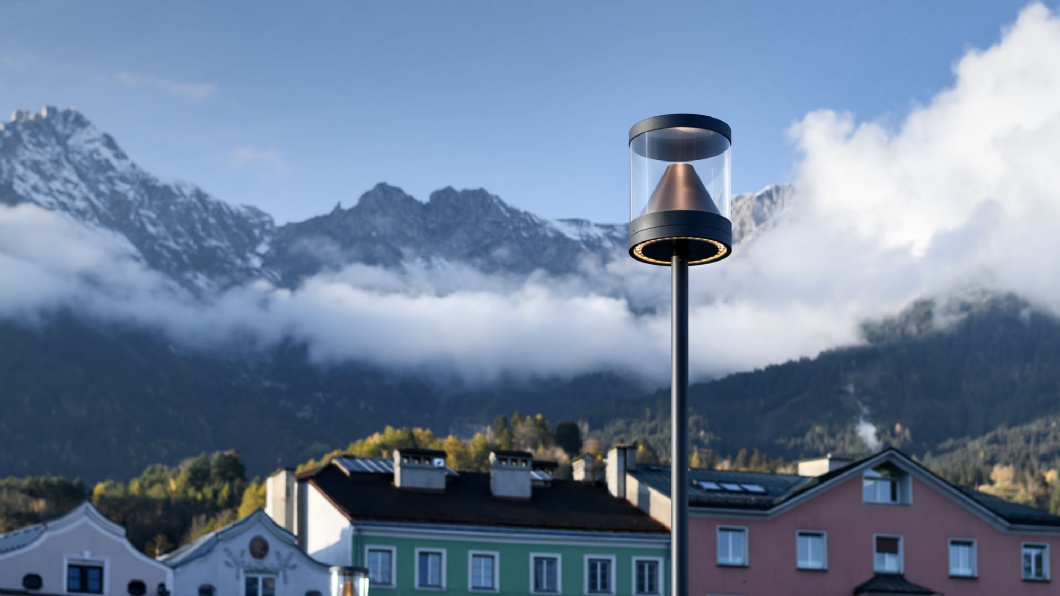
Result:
x=962 y=194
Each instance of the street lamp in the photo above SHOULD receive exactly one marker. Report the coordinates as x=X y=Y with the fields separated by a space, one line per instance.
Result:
x=679 y=216
x=349 y=581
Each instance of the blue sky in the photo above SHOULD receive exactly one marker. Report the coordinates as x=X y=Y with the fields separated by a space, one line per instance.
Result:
x=921 y=137
x=294 y=107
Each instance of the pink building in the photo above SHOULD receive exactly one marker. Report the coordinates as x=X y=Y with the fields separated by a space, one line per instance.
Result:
x=881 y=525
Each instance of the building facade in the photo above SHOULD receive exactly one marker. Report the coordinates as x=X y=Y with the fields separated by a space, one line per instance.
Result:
x=420 y=527
x=881 y=525
x=250 y=557
x=79 y=553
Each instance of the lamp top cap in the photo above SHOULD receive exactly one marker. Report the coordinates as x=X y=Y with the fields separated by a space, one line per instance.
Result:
x=680 y=121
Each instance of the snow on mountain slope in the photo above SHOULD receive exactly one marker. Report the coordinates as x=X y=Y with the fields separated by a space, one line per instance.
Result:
x=61 y=162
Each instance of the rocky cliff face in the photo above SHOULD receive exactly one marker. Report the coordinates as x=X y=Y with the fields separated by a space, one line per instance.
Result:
x=59 y=161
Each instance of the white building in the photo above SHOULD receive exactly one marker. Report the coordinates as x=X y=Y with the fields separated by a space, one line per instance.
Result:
x=249 y=557
x=81 y=552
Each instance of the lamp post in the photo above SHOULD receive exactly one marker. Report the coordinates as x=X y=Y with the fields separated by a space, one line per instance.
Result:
x=679 y=216
x=349 y=581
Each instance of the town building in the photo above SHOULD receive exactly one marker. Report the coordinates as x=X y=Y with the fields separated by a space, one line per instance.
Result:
x=79 y=553
x=880 y=525
x=249 y=557
x=419 y=527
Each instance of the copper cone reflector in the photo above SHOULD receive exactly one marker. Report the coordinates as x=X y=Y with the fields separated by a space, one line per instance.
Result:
x=681 y=190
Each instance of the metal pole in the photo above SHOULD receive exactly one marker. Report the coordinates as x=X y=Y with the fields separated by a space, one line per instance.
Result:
x=679 y=420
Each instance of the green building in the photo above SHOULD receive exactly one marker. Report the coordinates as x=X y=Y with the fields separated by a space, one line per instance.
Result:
x=420 y=527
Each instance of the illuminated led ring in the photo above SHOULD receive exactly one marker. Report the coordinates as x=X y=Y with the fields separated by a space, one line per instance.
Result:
x=722 y=250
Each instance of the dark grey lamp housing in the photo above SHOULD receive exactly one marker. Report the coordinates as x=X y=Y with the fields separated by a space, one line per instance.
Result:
x=679 y=189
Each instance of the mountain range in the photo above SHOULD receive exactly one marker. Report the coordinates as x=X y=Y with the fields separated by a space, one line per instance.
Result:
x=92 y=396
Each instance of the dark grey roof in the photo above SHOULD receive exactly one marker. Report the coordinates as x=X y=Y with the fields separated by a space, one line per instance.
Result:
x=885 y=583
x=1014 y=513
x=737 y=490
x=467 y=500
x=16 y=539
x=779 y=488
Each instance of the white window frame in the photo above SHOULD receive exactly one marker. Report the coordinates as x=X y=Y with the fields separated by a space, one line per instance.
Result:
x=658 y=576
x=559 y=572
x=441 y=571
x=261 y=577
x=86 y=561
x=903 y=487
x=1044 y=547
x=496 y=556
x=746 y=562
x=901 y=553
x=823 y=535
x=393 y=564
x=974 y=556
x=610 y=574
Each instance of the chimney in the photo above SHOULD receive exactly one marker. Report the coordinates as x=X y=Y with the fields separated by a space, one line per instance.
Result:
x=510 y=474
x=821 y=465
x=620 y=460
x=281 y=499
x=419 y=469
x=584 y=469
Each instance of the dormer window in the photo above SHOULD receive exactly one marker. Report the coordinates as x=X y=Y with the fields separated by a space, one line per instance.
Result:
x=886 y=484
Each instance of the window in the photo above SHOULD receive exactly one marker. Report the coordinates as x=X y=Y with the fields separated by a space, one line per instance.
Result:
x=544 y=574
x=887 y=554
x=430 y=569
x=962 y=558
x=483 y=571
x=207 y=590
x=811 y=550
x=598 y=575
x=85 y=579
x=260 y=585
x=886 y=484
x=646 y=576
x=732 y=546
x=1036 y=561
x=136 y=588
x=380 y=566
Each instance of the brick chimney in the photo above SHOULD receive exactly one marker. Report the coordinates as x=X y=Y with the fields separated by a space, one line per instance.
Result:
x=510 y=474
x=584 y=469
x=419 y=469
x=821 y=465
x=281 y=499
x=620 y=459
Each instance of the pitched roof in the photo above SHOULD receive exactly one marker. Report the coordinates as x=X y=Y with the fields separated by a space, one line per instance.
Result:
x=782 y=488
x=21 y=537
x=886 y=583
x=206 y=543
x=467 y=500
x=726 y=488
x=16 y=539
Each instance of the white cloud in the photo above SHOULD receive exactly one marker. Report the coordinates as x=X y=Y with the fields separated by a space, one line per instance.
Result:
x=253 y=157
x=193 y=91
x=964 y=193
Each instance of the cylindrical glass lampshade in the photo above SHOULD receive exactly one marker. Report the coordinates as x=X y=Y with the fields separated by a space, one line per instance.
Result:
x=680 y=188
x=349 y=581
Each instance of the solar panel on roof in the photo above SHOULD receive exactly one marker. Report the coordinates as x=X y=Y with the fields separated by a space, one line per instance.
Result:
x=732 y=486
x=753 y=488
x=373 y=465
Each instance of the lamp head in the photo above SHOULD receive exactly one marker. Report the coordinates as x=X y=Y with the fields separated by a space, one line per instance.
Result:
x=671 y=206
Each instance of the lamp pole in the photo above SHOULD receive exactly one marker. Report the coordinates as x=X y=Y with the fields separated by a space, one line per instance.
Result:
x=677 y=220
x=679 y=418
